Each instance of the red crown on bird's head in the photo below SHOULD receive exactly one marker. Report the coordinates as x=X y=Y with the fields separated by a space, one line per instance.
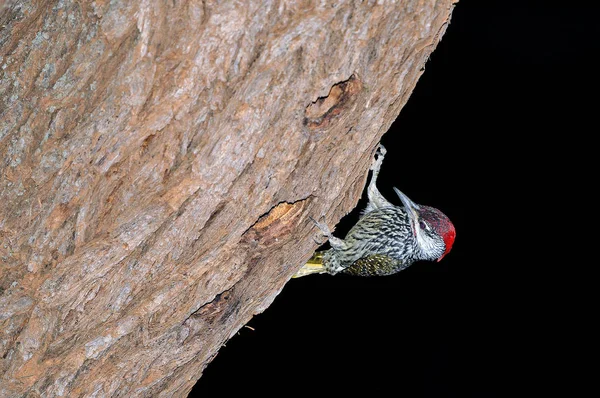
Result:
x=448 y=235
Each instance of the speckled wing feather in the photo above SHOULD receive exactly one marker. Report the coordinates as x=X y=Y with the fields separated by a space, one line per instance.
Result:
x=375 y=265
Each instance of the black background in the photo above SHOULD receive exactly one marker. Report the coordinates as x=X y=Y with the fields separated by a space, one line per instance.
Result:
x=484 y=129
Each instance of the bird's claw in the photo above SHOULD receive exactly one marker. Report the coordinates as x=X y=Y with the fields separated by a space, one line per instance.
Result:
x=323 y=227
x=379 y=155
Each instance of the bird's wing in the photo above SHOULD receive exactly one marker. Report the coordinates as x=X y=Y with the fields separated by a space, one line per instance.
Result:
x=374 y=264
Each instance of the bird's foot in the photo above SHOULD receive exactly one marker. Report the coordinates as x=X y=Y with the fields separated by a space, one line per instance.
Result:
x=323 y=227
x=378 y=160
x=333 y=241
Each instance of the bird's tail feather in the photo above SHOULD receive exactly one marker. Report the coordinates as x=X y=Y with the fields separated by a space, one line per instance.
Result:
x=313 y=266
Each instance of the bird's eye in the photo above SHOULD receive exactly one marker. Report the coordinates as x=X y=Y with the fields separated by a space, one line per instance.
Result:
x=423 y=225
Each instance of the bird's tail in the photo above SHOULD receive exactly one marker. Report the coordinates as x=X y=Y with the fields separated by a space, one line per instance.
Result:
x=313 y=266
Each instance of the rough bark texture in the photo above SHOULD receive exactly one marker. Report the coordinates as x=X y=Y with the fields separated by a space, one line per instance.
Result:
x=159 y=163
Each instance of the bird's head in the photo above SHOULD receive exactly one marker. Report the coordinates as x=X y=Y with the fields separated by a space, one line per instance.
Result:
x=433 y=230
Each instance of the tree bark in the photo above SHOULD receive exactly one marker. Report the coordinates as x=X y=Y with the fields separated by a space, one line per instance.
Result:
x=160 y=161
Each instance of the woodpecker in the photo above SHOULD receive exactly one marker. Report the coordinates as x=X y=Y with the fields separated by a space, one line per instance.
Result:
x=386 y=239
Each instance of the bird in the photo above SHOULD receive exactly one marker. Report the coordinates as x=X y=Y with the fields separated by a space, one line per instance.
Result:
x=386 y=239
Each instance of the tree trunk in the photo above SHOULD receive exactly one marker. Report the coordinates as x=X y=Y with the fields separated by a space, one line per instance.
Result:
x=160 y=161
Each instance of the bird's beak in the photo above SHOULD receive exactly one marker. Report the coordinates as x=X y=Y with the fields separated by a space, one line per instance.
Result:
x=411 y=207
